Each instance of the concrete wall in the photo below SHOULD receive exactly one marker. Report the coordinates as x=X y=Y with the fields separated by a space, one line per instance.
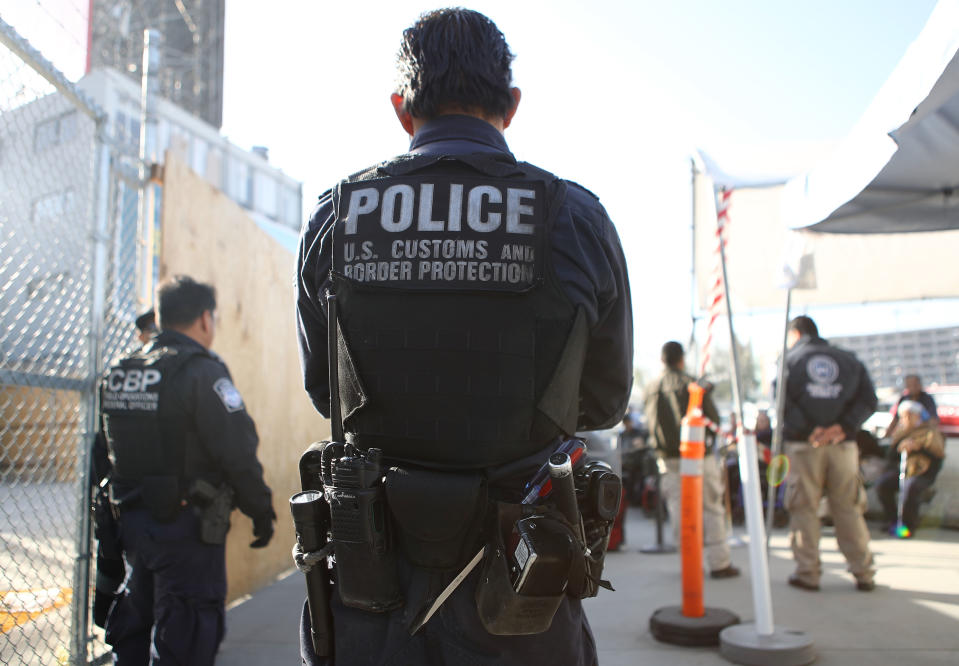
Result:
x=209 y=237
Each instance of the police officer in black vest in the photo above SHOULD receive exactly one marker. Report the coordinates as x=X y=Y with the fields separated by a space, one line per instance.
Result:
x=483 y=315
x=181 y=453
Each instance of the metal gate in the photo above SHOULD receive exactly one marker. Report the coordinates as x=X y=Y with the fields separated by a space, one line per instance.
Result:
x=68 y=238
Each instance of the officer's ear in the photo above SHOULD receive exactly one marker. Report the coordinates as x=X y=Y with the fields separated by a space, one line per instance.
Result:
x=404 y=116
x=516 y=93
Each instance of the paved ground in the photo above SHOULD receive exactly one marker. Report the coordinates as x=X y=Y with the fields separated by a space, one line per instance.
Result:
x=911 y=618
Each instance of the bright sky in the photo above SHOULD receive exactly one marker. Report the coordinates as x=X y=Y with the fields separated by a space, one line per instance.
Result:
x=615 y=96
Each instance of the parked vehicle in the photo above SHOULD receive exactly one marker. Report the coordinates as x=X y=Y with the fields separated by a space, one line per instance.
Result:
x=947 y=408
x=877 y=424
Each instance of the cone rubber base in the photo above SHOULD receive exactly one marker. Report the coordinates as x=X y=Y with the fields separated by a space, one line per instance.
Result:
x=741 y=644
x=669 y=625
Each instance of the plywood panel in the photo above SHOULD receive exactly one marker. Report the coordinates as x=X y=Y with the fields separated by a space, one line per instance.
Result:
x=211 y=238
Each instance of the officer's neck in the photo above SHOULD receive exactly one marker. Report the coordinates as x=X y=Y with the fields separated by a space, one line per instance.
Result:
x=498 y=123
x=198 y=331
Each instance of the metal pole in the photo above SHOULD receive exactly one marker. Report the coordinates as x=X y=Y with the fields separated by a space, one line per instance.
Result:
x=748 y=470
x=777 y=442
x=148 y=129
x=98 y=290
x=692 y=266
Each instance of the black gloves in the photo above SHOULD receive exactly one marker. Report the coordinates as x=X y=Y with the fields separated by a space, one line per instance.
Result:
x=263 y=529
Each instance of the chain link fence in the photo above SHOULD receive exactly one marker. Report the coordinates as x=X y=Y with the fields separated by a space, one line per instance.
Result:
x=68 y=235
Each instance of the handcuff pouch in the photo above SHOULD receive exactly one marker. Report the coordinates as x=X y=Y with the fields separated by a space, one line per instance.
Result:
x=439 y=515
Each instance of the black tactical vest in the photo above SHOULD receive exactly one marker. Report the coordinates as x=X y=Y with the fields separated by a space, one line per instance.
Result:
x=141 y=443
x=456 y=346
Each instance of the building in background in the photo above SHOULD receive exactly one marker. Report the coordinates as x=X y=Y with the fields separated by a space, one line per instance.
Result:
x=932 y=353
x=191 y=71
x=269 y=195
x=46 y=188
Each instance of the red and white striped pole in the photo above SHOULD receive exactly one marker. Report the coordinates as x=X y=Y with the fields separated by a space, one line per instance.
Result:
x=716 y=292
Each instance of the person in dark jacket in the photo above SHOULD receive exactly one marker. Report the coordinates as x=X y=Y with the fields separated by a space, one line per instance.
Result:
x=828 y=397
x=915 y=393
x=146 y=326
x=180 y=454
x=483 y=316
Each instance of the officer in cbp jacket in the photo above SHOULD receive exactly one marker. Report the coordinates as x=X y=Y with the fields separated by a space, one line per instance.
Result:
x=484 y=313
x=182 y=451
x=828 y=397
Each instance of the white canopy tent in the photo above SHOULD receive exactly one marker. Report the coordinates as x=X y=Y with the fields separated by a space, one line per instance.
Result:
x=897 y=171
x=835 y=233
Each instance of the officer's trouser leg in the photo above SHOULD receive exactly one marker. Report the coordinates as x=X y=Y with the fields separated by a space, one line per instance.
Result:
x=172 y=611
x=129 y=625
x=847 y=499
x=189 y=615
x=714 y=511
x=714 y=515
x=669 y=486
x=807 y=474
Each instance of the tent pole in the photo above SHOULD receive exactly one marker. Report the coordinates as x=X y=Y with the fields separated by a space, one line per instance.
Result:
x=748 y=471
x=777 y=442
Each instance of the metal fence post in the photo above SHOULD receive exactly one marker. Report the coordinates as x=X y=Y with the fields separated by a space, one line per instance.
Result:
x=100 y=237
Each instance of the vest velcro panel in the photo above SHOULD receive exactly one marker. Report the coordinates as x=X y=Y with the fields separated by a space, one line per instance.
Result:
x=452 y=325
x=141 y=443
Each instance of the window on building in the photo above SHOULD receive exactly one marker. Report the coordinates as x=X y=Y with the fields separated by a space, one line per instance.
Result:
x=42 y=288
x=52 y=207
x=265 y=194
x=291 y=207
x=55 y=131
x=121 y=128
x=239 y=189
x=198 y=157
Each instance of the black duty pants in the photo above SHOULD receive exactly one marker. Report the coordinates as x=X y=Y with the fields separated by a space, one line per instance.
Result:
x=453 y=636
x=171 y=608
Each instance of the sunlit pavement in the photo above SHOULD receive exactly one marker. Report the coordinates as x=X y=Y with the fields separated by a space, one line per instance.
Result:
x=911 y=618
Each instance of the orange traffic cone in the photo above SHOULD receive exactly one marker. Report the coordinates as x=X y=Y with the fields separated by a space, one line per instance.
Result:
x=692 y=624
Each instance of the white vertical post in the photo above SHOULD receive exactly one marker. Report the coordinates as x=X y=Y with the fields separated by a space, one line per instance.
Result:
x=149 y=85
x=749 y=471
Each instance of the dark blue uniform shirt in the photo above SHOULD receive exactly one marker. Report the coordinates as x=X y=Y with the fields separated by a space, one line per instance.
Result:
x=587 y=256
x=589 y=262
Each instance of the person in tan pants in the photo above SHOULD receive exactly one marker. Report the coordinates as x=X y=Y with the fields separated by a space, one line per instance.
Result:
x=666 y=400
x=828 y=396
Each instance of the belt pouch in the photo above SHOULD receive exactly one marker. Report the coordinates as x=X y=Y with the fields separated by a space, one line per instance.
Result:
x=502 y=610
x=439 y=515
x=161 y=496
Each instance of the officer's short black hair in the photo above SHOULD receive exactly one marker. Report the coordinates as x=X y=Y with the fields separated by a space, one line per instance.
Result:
x=804 y=326
x=672 y=353
x=146 y=322
x=181 y=300
x=454 y=59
